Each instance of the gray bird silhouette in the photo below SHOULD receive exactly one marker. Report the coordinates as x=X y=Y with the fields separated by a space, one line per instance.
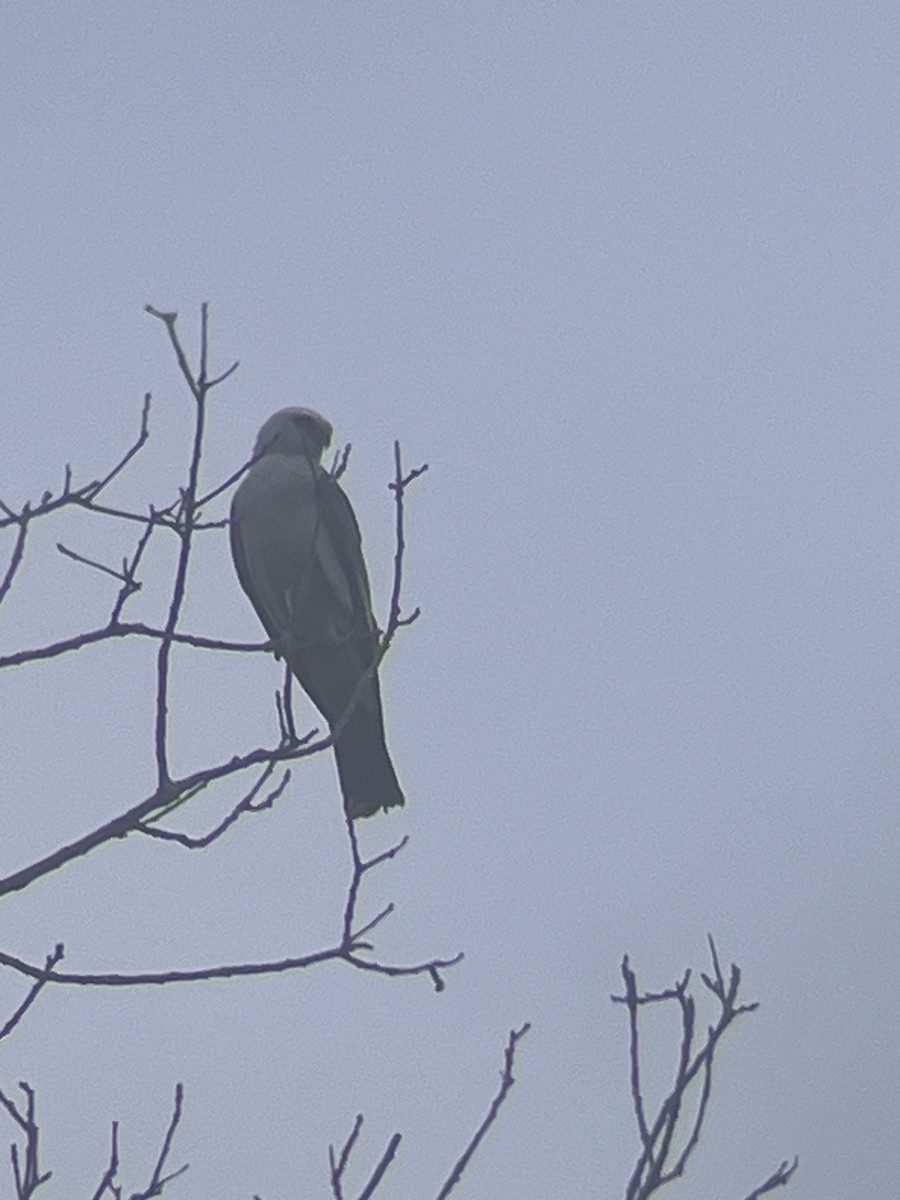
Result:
x=298 y=553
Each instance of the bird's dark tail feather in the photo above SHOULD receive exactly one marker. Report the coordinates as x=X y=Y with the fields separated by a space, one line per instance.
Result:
x=368 y=779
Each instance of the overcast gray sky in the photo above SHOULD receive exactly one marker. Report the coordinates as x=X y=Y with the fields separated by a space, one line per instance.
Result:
x=627 y=277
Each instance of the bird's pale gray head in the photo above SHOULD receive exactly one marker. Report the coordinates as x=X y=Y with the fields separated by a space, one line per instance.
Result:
x=294 y=431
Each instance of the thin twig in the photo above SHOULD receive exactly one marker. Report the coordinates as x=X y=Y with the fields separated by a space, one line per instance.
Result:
x=169 y=319
x=778 y=1178
x=26 y=1175
x=95 y=489
x=130 y=629
x=398 y=487
x=85 y=495
x=339 y=1164
x=158 y=1180
x=652 y=1169
x=233 y=478
x=178 y=588
x=339 y=465
x=130 y=583
x=224 y=971
x=18 y=551
x=360 y=867
x=245 y=805
x=378 y=1174
x=157 y=802
x=633 y=1043
x=34 y=990
x=90 y=562
x=506 y=1082
x=112 y=1167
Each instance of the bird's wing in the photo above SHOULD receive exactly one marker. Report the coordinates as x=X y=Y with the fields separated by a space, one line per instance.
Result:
x=298 y=553
x=339 y=554
x=274 y=517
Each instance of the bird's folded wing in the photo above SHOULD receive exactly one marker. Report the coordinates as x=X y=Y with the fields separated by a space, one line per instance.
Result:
x=340 y=556
x=274 y=518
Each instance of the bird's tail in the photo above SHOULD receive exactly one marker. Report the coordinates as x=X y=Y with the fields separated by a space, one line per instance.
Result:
x=368 y=779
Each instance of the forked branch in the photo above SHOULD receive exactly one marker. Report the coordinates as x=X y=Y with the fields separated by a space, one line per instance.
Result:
x=669 y=1139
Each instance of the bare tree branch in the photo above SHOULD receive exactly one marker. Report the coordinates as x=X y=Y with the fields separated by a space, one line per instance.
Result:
x=187 y=513
x=85 y=495
x=349 y=949
x=398 y=487
x=18 y=552
x=339 y=465
x=655 y=1166
x=130 y=583
x=378 y=1174
x=158 y=1181
x=27 y=1174
x=33 y=992
x=224 y=486
x=112 y=1169
x=506 y=1082
x=132 y=629
x=132 y=820
x=248 y=804
x=338 y=1163
x=95 y=489
x=778 y=1178
x=225 y=971
x=90 y=562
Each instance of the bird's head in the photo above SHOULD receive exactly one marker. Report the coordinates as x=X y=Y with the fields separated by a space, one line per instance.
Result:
x=294 y=431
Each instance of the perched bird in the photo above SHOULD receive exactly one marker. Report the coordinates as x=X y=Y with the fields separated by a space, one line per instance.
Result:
x=298 y=554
